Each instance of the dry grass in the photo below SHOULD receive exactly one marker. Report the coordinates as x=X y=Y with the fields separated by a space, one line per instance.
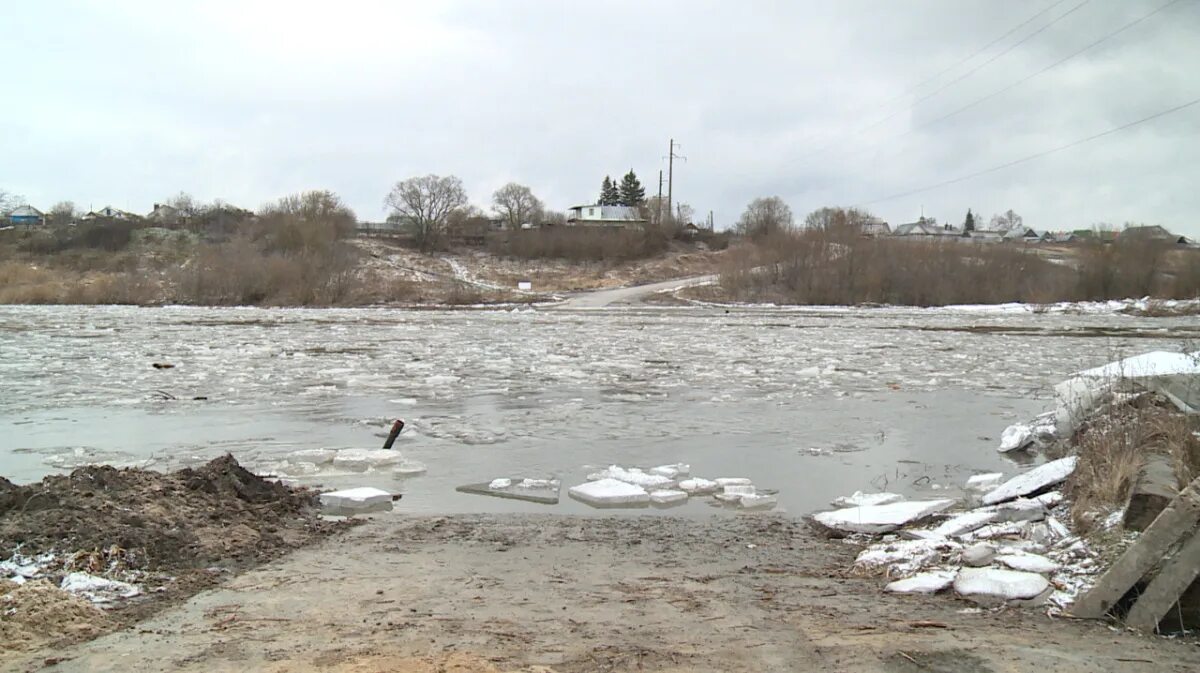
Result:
x=1112 y=447
x=581 y=244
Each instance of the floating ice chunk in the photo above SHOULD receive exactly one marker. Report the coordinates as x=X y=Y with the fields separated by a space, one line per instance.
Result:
x=356 y=501
x=442 y=379
x=541 y=491
x=1000 y=584
x=860 y=499
x=1015 y=437
x=1032 y=563
x=733 y=481
x=360 y=460
x=497 y=484
x=537 y=484
x=668 y=496
x=609 y=493
x=728 y=497
x=673 y=471
x=633 y=476
x=697 y=486
x=409 y=467
x=902 y=557
x=1037 y=479
x=982 y=483
x=316 y=456
x=98 y=589
x=923 y=583
x=738 y=489
x=758 y=501
x=880 y=518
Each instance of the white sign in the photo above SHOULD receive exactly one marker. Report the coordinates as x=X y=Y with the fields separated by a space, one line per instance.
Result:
x=524 y=285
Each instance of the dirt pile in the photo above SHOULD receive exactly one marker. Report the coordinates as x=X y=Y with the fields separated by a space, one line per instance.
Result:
x=218 y=514
x=37 y=613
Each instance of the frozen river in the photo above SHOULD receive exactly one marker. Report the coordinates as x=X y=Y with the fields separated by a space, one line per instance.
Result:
x=816 y=403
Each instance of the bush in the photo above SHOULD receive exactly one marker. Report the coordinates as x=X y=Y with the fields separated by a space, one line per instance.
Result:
x=581 y=244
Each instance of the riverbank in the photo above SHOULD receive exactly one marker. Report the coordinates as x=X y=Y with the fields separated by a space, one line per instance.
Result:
x=561 y=593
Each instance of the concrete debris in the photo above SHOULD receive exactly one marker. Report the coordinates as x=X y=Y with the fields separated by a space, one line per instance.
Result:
x=349 y=502
x=860 y=499
x=880 y=518
x=608 y=492
x=989 y=585
x=924 y=583
x=98 y=589
x=1034 y=481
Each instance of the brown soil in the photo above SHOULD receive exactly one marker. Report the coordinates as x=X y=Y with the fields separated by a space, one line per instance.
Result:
x=173 y=534
x=37 y=613
x=487 y=593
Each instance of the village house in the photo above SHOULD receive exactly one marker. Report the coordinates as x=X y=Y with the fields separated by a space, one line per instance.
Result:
x=165 y=215
x=108 y=213
x=26 y=216
x=596 y=215
x=1154 y=233
x=925 y=227
x=875 y=227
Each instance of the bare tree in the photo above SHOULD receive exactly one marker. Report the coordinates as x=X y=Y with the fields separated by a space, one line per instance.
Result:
x=426 y=203
x=684 y=213
x=9 y=202
x=765 y=216
x=307 y=222
x=63 y=213
x=848 y=220
x=1006 y=220
x=185 y=204
x=517 y=205
x=553 y=218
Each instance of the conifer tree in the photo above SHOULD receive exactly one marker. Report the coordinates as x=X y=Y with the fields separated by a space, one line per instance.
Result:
x=632 y=192
x=610 y=195
x=969 y=223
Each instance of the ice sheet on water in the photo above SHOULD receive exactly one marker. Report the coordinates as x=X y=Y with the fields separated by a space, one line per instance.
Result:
x=632 y=475
x=609 y=492
x=698 y=486
x=668 y=496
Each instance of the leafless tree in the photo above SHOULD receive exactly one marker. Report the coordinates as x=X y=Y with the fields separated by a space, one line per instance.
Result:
x=308 y=222
x=517 y=205
x=9 y=202
x=849 y=220
x=185 y=204
x=553 y=217
x=63 y=213
x=684 y=213
x=427 y=203
x=765 y=216
x=1006 y=220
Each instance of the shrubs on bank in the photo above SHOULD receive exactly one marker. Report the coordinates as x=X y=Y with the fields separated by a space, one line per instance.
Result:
x=841 y=267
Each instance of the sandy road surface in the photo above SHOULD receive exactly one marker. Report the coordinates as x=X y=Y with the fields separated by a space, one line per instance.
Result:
x=629 y=295
x=560 y=593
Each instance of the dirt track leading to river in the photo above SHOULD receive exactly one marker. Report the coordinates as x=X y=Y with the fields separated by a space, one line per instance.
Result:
x=561 y=593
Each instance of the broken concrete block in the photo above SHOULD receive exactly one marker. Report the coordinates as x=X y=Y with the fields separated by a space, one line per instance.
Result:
x=860 y=499
x=1016 y=437
x=880 y=518
x=97 y=589
x=1031 y=563
x=982 y=483
x=993 y=584
x=356 y=501
x=668 y=497
x=1034 y=481
x=697 y=486
x=1164 y=591
x=1154 y=489
x=978 y=555
x=923 y=583
x=610 y=493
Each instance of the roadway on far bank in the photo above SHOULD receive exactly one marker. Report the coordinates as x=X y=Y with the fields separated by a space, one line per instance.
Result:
x=631 y=295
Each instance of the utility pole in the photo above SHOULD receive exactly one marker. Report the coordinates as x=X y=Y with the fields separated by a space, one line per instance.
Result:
x=658 y=204
x=671 y=157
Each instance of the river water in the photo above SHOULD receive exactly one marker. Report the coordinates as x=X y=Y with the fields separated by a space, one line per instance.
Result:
x=814 y=402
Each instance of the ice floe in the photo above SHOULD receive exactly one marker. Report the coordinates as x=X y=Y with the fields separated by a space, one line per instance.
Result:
x=1033 y=481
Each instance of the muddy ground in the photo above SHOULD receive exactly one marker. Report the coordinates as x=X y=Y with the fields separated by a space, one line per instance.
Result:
x=561 y=593
x=171 y=534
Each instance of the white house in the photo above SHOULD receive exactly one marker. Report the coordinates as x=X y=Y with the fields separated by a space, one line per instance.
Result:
x=605 y=216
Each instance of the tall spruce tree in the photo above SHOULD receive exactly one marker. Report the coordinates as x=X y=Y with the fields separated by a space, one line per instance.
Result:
x=969 y=223
x=632 y=192
x=610 y=195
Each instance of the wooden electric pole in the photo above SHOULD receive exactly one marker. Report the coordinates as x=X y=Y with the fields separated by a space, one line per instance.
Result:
x=671 y=157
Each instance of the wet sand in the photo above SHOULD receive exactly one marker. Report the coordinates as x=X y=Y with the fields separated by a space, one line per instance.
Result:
x=564 y=593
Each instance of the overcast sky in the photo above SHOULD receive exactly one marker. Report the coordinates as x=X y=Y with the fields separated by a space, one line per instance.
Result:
x=127 y=103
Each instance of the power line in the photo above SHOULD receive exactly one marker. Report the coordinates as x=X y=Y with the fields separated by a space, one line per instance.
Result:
x=966 y=74
x=1021 y=81
x=1038 y=155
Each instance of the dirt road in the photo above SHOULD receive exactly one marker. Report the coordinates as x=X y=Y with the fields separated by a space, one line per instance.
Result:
x=629 y=295
x=554 y=593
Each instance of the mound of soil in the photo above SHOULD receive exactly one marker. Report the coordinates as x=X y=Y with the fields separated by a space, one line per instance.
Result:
x=217 y=515
x=35 y=614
